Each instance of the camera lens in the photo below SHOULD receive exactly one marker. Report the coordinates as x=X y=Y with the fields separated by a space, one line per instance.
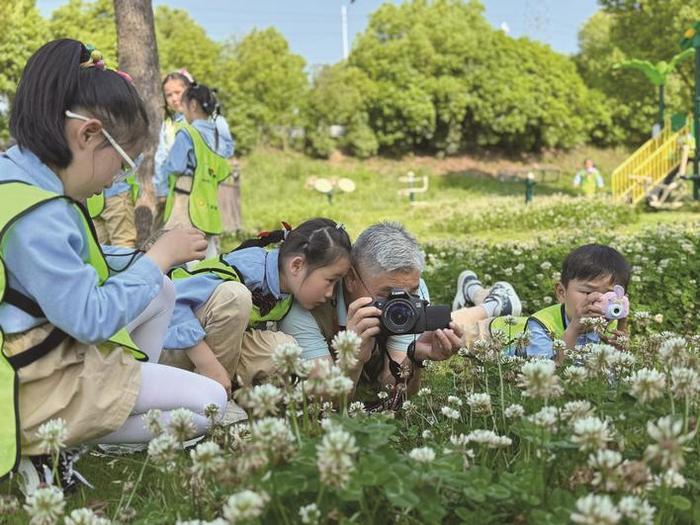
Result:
x=399 y=317
x=615 y=310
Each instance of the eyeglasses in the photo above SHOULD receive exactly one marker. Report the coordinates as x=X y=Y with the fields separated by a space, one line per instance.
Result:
x=129 y=165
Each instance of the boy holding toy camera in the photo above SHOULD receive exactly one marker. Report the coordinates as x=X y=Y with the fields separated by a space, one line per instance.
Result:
x=592 y=284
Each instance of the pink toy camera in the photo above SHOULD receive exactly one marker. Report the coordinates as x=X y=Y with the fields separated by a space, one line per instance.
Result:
x=615 y=304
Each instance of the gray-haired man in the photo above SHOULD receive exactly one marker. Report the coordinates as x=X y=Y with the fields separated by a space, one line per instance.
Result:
x=384 y=257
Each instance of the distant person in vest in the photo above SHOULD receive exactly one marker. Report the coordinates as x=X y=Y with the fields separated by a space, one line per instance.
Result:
x=173 y=86
x=589 y=179
x=385 y=257
x=197 y=163
x=593 y=280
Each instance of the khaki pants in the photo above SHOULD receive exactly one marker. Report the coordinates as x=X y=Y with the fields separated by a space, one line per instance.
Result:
x=245 y=353
x=116 y=226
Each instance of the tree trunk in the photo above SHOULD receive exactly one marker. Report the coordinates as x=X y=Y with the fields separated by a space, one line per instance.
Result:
x=138 y=56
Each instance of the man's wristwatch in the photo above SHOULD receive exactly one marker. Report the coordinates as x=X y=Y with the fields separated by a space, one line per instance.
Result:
x=411 y=353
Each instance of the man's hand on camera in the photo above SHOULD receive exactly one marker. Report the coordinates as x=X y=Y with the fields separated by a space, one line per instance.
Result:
x=439 y=344
x=363 y=319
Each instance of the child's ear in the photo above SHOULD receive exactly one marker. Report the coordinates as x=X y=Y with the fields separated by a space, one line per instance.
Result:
x=560 y=292
x=88 y=132
x=297 y=265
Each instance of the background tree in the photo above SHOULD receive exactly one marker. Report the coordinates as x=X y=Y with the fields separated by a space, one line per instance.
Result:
x=138 y=55
x=89 y=22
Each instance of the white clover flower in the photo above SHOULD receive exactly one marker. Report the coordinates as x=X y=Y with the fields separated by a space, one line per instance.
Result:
x=641 y=316
x=590 y=433
x=685 y=382
x=539 y=380
x=309 y=514
x=382 y=395
x=546 y=265
x=668 y=450
x=510 y=320
x=181 y=424
x=599 y=359
x=671 y=479
x=647 y=385
x=211 y=411
x=85 y=516
x=489 y=438
x=480 y=403
x=347 y=347
x=287 y=358
x=454 y=400
x=52 y=436
x=450 y=412
x=575 y=375
x=427 y=434
x=574 y=410
x=460 y=441
x=659 y=318
x=244 y=506
x=546 y=418
x=207 y=459
x=274 y=436
x=514 y=411
x=264 y=400
x=673 y=352
x=637 y=509
x=328 y=381
x=357 y=408
x=424 y=392
x=153 y=421
x=596 y=510
x=334 y=458
x=162 y=450
x=604 y=459
x=45 y=506
x=422 y=455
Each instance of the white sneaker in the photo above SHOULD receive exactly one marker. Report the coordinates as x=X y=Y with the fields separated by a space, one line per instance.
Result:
x=506 y=299
x=234 y=413
x=466 y=279
x=28 y=477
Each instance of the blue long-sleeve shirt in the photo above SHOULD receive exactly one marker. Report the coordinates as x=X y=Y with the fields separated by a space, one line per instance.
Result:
x=259 y=270
x=45 y=252
x=541 y=342
x=165 y=143
x=180 y=158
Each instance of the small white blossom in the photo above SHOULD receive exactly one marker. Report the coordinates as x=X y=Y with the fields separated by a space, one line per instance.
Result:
x=264 y=400
x=287 y=358
x=454 y=400
x=181 y=424
x=334 y=458
x=574 y=410
x=590 y=433
x=207 y=459
x=450 y=412
x=85 y=516
x=52 y=435
x=546 y=418
x=668 y=450
x=163 y=450
x=489 y=438
x=244 y=506
x=309 y=514
x=637 y=509
x=647 y=385
x=480 y=403
x=347 y=347
x=685 y=382
x=45 y=506
x=153 y=421
x=539 y=380
x=595 y=510
x=514 y=411
x=575 y=375
x=422 y=455
x=673 y=352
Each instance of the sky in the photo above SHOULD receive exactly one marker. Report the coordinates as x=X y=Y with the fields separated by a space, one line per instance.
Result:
x=313 y=27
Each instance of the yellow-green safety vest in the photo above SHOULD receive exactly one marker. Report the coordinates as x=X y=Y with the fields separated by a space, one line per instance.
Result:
x=211 y=170
x=18 y=199
x=589 y=185
x=96 y=203
x=552 y=319
x=226 y=272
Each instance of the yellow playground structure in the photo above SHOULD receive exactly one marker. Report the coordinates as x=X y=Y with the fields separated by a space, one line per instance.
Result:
x=654 y=171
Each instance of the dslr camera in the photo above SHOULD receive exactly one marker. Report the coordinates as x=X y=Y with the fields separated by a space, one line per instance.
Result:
x=405 y=313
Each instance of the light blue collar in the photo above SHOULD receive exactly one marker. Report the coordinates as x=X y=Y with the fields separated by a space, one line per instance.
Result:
x=33 y=171
x=272 y=273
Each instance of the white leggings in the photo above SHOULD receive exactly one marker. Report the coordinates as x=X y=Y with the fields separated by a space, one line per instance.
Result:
x=164 y=387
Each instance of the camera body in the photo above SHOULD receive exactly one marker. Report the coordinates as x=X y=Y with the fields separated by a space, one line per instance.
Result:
x=615 y=304
x=405 y=313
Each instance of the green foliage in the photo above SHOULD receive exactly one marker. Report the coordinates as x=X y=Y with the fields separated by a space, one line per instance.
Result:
x=263 y=86
x=627 y=30
x=22 y=34
x=184 y=43
x=91 y=22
